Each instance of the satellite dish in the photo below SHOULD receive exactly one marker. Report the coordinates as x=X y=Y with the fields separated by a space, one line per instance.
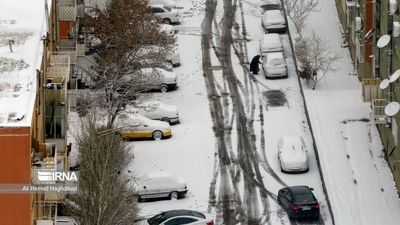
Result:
x=384 y=84
x=395 y=76
x=392 y=108
x=383 y=41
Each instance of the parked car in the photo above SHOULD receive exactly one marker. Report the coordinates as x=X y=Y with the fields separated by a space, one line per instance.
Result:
x=271 y=43
x=169 y=3
x=166 y=13
x=159 y=111
x=274 y=65
x=178 y=217
x=137 y=126
x=152 y=78
x=156 y=55
x=160 y=185
x=167 y=29
x=273 y=21
x=299 y=202
x=292 y=154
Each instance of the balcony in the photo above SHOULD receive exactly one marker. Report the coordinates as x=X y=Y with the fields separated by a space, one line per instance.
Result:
x=67 y=10
x=58 y=69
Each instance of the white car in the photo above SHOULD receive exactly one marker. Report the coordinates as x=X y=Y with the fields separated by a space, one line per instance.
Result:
x=130 y=126
x=167 y=14
x=271 y=43
x=178 y=217
x=153 y=78
x=169 y=3
x=159 y=111
x=151 y=55
x=160 y=185
x=273 y=21
x=274 y=65
x=292 y=154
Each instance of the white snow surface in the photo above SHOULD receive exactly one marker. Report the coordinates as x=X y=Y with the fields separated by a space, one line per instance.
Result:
x=23 y=22
x=359 y=182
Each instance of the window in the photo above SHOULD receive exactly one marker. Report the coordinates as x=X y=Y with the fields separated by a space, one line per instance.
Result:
x=158 y=10
x=178 y=221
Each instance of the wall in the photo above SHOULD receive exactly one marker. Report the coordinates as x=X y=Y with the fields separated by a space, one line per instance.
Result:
x=15 y=168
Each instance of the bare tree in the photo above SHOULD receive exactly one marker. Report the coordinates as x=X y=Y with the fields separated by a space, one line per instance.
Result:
x=315 y=58
x=104 y=196
x=131 y=37
x=298 y=11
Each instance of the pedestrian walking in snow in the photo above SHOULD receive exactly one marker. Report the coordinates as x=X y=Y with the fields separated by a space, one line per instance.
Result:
x=254 y=64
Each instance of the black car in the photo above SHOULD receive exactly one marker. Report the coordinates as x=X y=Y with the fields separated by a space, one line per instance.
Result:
x=299 y=202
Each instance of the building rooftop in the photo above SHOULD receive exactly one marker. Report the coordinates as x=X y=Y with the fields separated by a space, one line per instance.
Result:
x=22 y=24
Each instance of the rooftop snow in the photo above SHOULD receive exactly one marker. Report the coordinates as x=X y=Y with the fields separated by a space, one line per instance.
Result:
x=22 y=23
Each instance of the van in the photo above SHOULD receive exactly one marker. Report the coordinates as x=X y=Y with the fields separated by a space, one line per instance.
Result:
x=160 y=185
x=271 y=43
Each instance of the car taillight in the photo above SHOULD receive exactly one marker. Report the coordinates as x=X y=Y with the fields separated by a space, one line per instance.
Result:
x=210 y=223
x=295 y=207
x=316 y=206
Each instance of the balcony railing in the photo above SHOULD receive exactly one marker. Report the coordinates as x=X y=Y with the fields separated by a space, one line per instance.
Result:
x=58 y=69
x=67 y=10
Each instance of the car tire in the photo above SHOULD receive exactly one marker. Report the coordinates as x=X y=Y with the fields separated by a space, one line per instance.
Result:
x=165 y=119
x=157 y=135
x=174 y=195
x=167 y=21
x=163 y=88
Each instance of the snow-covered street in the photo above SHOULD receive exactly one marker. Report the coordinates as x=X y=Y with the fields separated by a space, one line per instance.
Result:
x=356 y=186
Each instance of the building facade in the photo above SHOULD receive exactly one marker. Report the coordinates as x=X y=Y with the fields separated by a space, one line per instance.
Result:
x=34 y=102
x=371 y=30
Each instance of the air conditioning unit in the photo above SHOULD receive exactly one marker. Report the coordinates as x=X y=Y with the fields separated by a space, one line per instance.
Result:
x=358 y=23
x=392 y=7
x=396 y=29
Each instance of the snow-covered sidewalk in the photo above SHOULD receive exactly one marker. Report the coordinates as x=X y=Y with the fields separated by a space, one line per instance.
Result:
x=359 y=182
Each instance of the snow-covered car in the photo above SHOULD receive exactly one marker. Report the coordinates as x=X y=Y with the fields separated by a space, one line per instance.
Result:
x=153 y=78
x=169 y=3
x=130 y=126
x=167 y=29
x=160 y=185
x=178 y=217
x=157 y=55
x=271 y=43
x=166 y=13
x=274 y=65
x=292 y=154
x=159 y=111
x=273 y=21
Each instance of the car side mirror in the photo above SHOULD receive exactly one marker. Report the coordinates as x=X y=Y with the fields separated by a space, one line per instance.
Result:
x=145 y=125
x=312 y=189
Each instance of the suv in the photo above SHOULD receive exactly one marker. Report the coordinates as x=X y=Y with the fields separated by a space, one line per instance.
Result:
x=299 y=202
x=167 y=14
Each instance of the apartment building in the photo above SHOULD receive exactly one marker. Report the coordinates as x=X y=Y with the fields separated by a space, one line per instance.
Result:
x=39 y=44
x=371 y=30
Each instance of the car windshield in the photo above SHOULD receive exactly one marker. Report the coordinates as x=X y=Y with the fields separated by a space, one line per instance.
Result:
x=301 y=198
x=157 y=219
x=276 y=62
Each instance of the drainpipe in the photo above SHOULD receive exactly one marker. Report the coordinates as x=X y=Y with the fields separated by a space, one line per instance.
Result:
x=369 y=26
